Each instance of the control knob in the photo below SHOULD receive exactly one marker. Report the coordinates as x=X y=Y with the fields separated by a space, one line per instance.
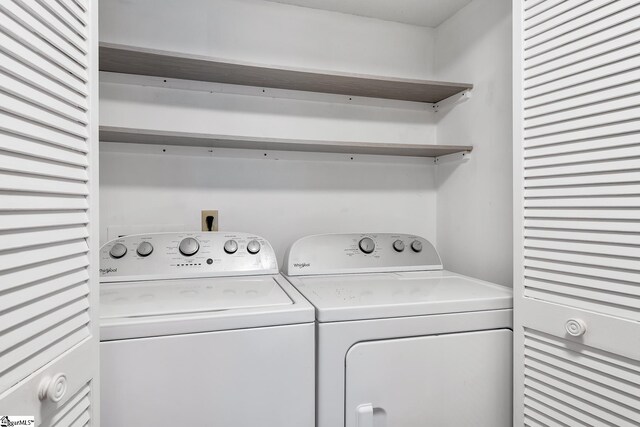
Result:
x=189 y=246
x=230 y=246
x=118 y=250
x=416 y=245
x=367 y=245
x=144 y=249
x=398 y=245
x=253 y=247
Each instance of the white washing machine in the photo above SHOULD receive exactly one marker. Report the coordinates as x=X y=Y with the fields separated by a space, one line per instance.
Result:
x=400 y=341
x=200 y=329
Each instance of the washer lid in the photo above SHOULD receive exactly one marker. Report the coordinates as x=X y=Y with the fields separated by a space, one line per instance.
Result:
x=383 y=295
x=170 y=307
x=170 y=297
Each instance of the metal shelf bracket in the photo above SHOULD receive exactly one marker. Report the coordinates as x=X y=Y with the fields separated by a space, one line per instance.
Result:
x=451 y=101
x=462 y=156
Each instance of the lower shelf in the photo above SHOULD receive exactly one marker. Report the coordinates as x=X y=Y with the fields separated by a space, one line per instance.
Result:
x=143 y=136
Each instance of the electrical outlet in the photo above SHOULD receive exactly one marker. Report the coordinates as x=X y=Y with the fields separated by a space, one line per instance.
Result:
x=205 y=214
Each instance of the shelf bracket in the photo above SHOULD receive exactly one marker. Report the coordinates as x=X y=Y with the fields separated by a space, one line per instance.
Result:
x=461 y=156
x=451 y=101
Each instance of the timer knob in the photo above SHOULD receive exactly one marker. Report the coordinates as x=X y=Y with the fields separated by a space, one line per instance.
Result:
x=118 y=251
x=367 y=245
x=189 y=246
x=416 y=245
x=144 y=249
x=253 y=247
x=398 y=245
x=230 y=246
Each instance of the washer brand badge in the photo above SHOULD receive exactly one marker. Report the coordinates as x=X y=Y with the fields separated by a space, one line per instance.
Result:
x=301 y=264
x=16 y=420
x=102 y=271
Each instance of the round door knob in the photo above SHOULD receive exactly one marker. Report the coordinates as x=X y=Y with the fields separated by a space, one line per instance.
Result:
x=144 y=249
x=230 y=246
x=253 y=247
x=53 y=388
x=416 y=245
x=575 y=327
x=189 y=246
x=398 y=245
x=367 y=245
x=118 y=250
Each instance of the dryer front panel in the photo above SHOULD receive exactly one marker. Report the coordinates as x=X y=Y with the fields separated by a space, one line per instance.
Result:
x=457 y=380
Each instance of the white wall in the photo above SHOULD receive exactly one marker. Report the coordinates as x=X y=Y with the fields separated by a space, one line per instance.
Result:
x=285 y=199
x=281 y=200
x=270 y=33
x=475 y=198
x=210 y=108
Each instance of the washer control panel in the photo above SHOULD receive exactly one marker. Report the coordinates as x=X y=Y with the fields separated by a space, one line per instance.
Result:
x=360 y=253
x=185 y=255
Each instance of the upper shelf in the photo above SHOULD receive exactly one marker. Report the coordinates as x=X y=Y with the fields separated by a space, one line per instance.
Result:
x=150 y=62
x=146 y=136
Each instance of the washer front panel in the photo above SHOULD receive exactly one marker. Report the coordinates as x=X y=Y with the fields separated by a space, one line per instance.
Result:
x=242 y=378
x=167 y=259
x=360 y=253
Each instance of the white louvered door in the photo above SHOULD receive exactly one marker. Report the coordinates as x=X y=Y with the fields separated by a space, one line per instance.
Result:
x=577 y=212
x=48 y=211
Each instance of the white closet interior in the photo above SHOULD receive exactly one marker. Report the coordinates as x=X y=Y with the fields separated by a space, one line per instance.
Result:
x=463 y=206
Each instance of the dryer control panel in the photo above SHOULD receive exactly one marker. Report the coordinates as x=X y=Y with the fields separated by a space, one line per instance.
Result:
x=360 y=253
x=185 y=255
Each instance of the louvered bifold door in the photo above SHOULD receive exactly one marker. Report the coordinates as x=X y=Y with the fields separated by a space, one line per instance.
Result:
x=48 y=205
x=577 y=212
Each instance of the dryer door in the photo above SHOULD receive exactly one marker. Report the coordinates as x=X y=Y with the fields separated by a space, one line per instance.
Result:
x=456 y=380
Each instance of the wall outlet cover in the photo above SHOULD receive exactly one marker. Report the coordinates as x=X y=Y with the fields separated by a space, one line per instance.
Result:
x=203 y=221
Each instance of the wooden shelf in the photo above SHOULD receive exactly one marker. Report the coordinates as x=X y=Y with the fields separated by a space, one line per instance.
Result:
x=142 y=136
x=136 y=60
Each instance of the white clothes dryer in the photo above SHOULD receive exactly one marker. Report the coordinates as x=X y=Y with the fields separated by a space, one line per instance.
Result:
x=201 y=329
x=400 y=341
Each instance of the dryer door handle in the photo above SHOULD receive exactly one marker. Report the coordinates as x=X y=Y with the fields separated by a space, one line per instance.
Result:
x=364 y=415
x=367 y=414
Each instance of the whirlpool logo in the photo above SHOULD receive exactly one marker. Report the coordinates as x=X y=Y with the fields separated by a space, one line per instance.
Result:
x=102 y=271
x=15 y=420
x=301 y=264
